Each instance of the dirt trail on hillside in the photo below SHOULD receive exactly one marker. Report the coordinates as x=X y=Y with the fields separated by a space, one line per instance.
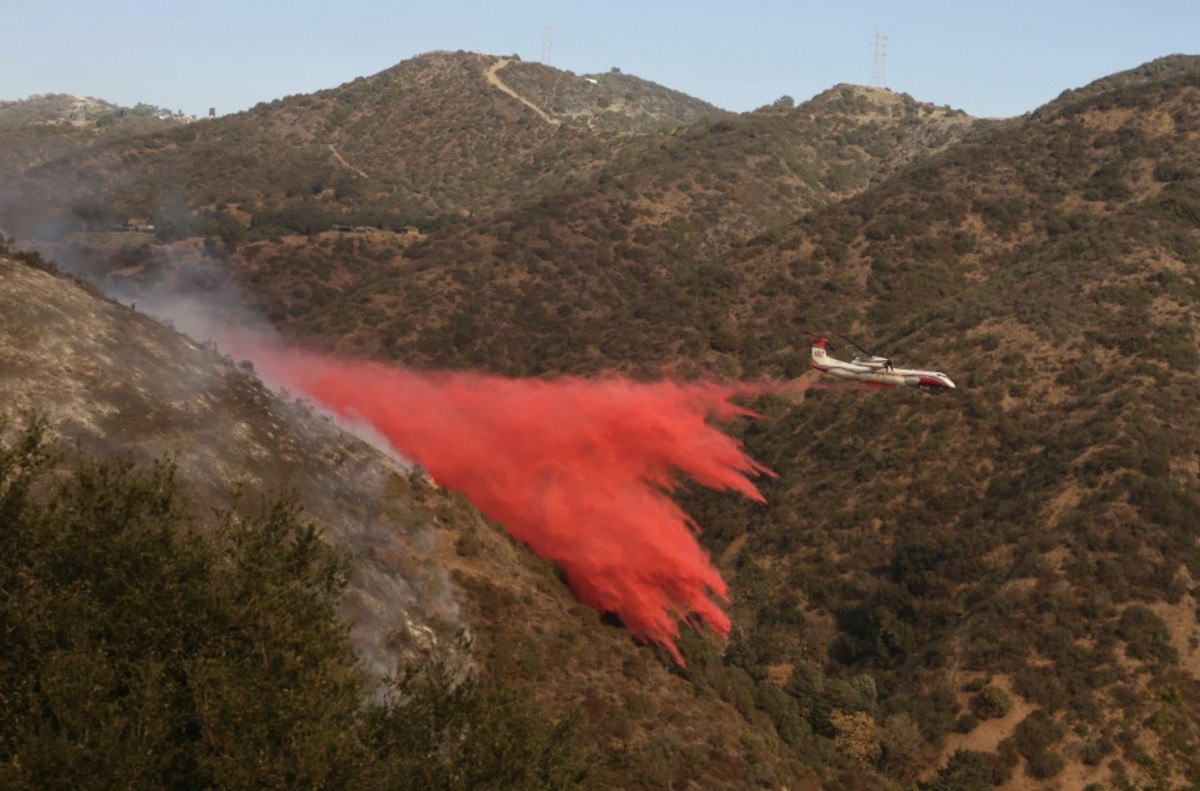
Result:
x=495 y=80
x=341 y=160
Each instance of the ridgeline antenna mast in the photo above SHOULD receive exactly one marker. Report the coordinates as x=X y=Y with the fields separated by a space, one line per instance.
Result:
x=878 y=74
x=547 y=43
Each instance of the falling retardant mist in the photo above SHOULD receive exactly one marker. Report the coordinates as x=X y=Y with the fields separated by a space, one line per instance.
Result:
x=579 y=470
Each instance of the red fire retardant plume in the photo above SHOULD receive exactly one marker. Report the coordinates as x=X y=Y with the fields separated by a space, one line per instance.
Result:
x=579 y=470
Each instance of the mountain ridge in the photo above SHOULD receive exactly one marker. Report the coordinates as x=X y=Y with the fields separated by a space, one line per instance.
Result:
x=294 y=151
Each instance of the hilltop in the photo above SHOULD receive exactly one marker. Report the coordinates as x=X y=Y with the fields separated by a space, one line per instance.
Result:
x=673 y=197
x=45 y=127
x=429 y=141
x=611 y=100
x=55 y=108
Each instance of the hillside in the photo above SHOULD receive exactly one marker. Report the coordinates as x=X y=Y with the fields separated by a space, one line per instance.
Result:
x=49 y=126
x=995 y=587
x=424 y=563
x=56 y=109
x=1037 y=532
x=1153 y=71
x=621 y=271
x=159 y=393
x=1008 y=570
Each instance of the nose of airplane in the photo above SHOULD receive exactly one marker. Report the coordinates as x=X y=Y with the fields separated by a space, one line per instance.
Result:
x=940 y=381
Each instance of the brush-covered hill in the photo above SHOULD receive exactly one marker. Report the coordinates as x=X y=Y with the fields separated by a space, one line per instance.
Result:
x=423 y=565
x=436 y=138
x=45 y=127
x=119 y=382
x=1034 y=537
x=991 y=587
x=1008 y=570
x=622 y=270
x=1151 y=71
x=55 y=109
x=1109 y=175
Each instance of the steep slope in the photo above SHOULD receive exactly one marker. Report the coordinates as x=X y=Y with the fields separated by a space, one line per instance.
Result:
x=425 y=563
x=1057 y=187
x=118 y=381
x=1035 y=532
x=1009 y=569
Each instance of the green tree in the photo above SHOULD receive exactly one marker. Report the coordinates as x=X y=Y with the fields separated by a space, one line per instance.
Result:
x=448 y=728
x=141 y=651
x=902 y=747
x=966 y=770
x=991 y=703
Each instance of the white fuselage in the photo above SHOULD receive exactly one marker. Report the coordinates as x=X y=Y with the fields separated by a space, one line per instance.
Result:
x=876 y=372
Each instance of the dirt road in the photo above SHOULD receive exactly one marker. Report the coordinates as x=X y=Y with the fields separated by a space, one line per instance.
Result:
x=494 y=79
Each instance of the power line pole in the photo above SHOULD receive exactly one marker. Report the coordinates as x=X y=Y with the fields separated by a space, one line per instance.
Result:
x=547 y=43
x=878 y=73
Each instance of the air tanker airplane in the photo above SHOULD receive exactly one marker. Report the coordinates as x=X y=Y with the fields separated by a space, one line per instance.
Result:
x=875 y=371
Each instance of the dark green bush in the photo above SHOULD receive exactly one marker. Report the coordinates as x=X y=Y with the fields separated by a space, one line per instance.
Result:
x=966 y=770
x=991 y=703
x=140 y=650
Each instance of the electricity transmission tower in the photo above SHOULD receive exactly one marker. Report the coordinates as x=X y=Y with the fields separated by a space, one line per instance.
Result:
x=547 y=44
x=878 y=74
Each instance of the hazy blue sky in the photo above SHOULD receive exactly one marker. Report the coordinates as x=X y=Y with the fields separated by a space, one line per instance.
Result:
x=988 y=58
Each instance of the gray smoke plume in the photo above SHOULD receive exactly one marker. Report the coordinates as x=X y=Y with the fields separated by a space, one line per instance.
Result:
x=116 y=379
